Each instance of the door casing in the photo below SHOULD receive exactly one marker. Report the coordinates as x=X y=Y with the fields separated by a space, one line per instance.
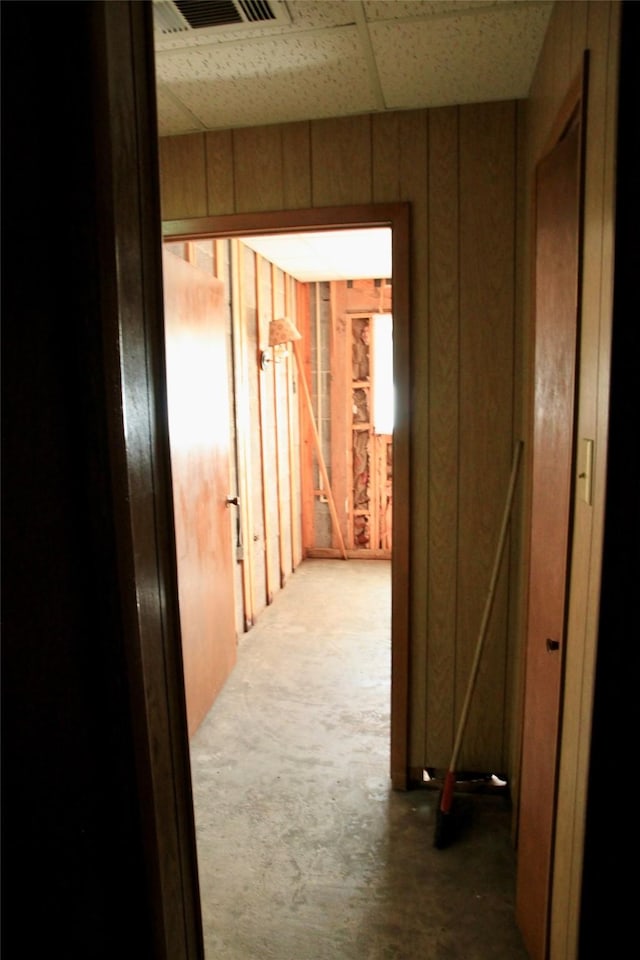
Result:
x=395 y=216
x=557 y=282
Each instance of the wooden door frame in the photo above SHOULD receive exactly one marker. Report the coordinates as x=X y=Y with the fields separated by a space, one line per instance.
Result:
x=130 y=289
x=396 y=216
x=572 y=109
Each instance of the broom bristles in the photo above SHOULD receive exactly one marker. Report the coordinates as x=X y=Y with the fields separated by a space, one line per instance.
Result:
x=446 y=800
x=445 y=821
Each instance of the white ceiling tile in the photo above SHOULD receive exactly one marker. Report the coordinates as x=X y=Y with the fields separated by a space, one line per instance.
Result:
x=328 y=254
x=305 y=15
x=173 y=118
x=330 y=62
x=320 y=13
x=416 y=9
x=461 y=59
x=277 y=79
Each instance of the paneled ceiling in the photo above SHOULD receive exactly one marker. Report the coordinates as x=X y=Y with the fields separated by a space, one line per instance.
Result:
x=328 y=58
x=329 y=255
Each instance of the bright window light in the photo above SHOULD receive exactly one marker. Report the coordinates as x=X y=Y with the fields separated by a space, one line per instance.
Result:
x=383 y=394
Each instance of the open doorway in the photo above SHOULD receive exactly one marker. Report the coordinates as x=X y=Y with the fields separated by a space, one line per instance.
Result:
x=281 y=523
x=300 y=326
x=340 y=307
x=394 y=219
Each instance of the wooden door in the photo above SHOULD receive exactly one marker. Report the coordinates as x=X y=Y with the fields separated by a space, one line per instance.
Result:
x=556 y=320
x=199 y=434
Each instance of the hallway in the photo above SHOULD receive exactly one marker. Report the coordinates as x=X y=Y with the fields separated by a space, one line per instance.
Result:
x=304 y=851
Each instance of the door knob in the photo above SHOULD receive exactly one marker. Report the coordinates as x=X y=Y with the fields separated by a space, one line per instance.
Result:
x=552 y=645
x=233 y=500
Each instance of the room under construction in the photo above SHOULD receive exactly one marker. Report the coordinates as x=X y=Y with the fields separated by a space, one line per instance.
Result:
x=306 y=467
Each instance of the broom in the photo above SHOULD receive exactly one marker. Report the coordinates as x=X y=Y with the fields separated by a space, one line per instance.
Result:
x=445 y=820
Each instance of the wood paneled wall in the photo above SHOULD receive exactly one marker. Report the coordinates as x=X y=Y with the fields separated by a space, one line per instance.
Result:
x=574 y=28
x=457 y=168
x=264 y=462
x=268 y=441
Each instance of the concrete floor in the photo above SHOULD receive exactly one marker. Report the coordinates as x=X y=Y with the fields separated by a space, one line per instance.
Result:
x=305 y=853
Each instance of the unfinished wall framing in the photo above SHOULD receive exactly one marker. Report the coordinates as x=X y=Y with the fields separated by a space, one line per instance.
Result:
x=342 y=361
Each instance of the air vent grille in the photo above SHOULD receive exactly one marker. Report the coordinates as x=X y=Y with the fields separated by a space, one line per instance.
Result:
x=186 y=20
x=256 y=11
x=224 y=13
x=208 y=13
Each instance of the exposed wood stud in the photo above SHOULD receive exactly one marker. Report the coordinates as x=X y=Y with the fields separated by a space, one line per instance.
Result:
x=319 y=454
x=278 y=431
x=242 y=432
x=303 y=355
x=267 y=478
x=294 y=465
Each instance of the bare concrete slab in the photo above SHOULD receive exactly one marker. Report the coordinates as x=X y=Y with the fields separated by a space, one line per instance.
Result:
x=305 y=852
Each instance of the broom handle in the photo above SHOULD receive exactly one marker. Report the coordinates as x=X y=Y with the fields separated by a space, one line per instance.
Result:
x=487 y=607
x=318 y=445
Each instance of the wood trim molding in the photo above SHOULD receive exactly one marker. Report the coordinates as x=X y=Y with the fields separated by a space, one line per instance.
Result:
x=574 y=101
x=288 y=221
x=133 y=331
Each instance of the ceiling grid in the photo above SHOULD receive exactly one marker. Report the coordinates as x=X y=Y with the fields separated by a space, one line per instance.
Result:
x=329 y=58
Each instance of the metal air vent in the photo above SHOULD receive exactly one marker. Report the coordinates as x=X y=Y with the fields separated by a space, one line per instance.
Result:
x=183 y=16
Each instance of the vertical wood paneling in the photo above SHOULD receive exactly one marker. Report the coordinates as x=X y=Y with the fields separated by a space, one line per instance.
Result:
x=522 y=416
x=341 y=161
x=443 y=430
x=296 y=165
x=250 y=323
x=385 y=157
x=352 y=160
x=217 y=253
x=257 y=153
x=385 y=154
x=266 y=390
x=183 y=177
x=486 y=391
x=220 y=174
x=243 y=432
x=413 y=186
